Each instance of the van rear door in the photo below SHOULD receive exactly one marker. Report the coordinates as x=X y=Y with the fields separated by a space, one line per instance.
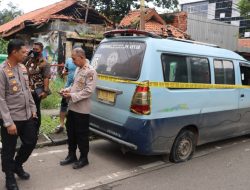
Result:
x=121 y=60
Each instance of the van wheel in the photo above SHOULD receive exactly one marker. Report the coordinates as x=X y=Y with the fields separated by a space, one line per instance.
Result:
x=183 y=147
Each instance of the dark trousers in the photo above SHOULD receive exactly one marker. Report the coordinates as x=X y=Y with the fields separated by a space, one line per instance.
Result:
x=77 y=126
x=37 y=101
x=27 y=131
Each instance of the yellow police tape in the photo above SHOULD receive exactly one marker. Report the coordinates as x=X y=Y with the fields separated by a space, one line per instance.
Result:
x=170 y=84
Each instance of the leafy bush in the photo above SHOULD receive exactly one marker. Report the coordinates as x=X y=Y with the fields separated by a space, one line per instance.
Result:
x=54 y=99
x=48 y=124
x=3 y=46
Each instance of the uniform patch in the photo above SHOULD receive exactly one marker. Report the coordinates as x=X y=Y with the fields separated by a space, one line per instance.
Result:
x=80 y=85
x=15 y=88
x=80 y=80
x=10 y=73
x=91 y=78
x=12 y=77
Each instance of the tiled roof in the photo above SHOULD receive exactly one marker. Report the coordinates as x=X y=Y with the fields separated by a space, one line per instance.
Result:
x=133 y=17
x=43 y=15
x=155 y=27
x=37 y=16
x=153 y=23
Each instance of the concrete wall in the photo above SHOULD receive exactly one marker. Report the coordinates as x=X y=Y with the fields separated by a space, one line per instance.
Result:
x=209 y=31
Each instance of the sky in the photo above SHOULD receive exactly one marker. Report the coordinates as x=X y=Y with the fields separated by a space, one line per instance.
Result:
x=27 y=5
x=30 y=5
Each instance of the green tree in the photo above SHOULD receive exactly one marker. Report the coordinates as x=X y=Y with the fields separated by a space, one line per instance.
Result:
x=9 y=13
x=3 y=46
x=244 y=7
x=115 y=10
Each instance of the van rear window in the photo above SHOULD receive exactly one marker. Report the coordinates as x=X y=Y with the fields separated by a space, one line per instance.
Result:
x=119 y=59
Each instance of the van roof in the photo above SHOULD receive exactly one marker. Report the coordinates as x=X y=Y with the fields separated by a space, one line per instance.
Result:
x=177 y=46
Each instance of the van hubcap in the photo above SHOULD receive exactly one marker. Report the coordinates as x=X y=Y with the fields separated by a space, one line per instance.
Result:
x=185 y=148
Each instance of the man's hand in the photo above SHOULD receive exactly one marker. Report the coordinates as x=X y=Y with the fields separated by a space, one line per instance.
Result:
x=64 y=72
x=65 y=90
x=34 y=115
x=66 y=95
x=12 y=130
x=43 y=95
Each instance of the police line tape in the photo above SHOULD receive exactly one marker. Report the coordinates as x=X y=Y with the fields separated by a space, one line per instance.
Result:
x=171 y=84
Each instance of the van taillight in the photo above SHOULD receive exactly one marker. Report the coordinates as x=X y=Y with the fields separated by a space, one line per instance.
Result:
x=141 y=102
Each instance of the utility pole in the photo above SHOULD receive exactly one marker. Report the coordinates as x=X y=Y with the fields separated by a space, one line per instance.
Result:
x=87 y=12
x=142 y=16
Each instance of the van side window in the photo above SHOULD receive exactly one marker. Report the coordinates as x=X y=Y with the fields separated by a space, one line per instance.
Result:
x=245 y=74
x=200 y=72
x=185 y=69
x=224 y=72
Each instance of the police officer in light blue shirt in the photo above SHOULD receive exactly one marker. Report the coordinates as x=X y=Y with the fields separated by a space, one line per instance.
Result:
x=69 y=69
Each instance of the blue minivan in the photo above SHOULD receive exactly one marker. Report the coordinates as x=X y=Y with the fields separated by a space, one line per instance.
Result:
x=166 y=96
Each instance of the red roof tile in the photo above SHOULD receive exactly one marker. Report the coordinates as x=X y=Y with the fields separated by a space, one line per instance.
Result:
x=153 y=23
x=54 y=11
x=133 y=17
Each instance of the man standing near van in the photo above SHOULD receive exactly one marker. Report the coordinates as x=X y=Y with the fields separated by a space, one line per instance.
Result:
x=69 y=69
x=17 y=114
x=77 y=123
x=39 y=75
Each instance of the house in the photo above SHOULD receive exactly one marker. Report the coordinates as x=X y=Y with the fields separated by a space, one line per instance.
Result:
x=53 y=24
x=153 y=23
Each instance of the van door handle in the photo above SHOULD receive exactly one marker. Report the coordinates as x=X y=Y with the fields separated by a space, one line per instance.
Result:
x=242 y=95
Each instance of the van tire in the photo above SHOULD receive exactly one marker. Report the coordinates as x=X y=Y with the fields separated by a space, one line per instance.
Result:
x=183 y=147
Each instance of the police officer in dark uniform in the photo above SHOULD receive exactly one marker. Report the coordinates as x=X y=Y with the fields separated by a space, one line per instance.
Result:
x=39 y=75
x=17 y=114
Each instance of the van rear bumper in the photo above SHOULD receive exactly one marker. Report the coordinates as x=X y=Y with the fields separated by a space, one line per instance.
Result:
x=112 y=138
x=141 y=136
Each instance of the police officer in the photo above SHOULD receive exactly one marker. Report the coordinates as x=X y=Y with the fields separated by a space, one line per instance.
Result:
x=77 y=123
x=39 y=75
x=17 y=114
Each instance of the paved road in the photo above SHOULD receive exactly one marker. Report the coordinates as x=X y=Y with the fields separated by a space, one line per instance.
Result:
x=218 y=166
x=223 y=165
x=106 y=162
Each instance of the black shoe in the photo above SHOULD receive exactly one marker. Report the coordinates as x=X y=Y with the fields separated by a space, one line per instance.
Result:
x=80 y=163
x=68 y=160
x=59 y=129
x=11 y=182
x=21 y=173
